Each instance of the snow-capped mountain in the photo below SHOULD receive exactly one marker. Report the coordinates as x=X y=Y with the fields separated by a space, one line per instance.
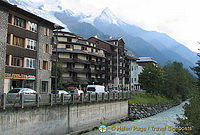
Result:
x=108 y=17
x=105 y=23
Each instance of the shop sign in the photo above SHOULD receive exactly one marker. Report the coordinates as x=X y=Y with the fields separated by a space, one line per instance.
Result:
x=31 y=77
x=15 y=76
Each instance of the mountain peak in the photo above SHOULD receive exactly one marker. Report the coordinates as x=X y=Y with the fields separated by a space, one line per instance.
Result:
x=107 y=11
x=69 y=12
x=107 y=16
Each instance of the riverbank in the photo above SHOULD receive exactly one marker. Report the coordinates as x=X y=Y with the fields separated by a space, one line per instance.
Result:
x=144 y=105
x=164 y=119
x=139 y=111
x=146 y=98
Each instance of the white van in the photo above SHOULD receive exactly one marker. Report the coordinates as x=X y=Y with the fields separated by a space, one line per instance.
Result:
x=96 y=88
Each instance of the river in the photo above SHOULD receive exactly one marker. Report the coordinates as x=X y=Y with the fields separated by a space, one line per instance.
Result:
x=162 y=120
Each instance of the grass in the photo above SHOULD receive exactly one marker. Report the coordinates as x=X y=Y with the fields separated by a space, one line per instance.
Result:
x=145 y=98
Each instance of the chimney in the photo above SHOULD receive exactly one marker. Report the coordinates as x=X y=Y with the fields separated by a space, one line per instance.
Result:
x=96 y=36
x=110 y=37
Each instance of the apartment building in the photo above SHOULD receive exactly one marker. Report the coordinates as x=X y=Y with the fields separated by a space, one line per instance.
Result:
x=82 y=61
x=117 y=64
x=26 y=49
x=133 y=71
x=142 y=61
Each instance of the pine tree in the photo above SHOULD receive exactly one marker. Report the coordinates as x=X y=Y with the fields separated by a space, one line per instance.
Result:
x=192 y=110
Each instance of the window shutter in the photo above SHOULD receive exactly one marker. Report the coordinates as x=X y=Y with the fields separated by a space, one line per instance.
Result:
x=24 y=64
x=49 y=65
x=48 y=32
x=44 y=48
x=50 y=49
x=44 y=30
x=40 y=63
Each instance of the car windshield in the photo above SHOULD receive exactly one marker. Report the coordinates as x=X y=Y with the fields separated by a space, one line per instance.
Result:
x=91 y=89
x=14 y=91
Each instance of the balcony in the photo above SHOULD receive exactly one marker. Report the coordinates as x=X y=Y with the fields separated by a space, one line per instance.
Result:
x=74 y=60
x=20 y=51
x=101 y=80
x=77 y=70
x=21 y=32
x=78 y=80
x=93 y=80
x=20 y=70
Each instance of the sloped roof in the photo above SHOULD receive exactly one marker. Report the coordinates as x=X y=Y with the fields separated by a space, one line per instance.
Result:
x=146 y=59
x=12 y=7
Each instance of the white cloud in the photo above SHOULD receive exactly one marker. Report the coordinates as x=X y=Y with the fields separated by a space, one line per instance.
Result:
x=178 y=18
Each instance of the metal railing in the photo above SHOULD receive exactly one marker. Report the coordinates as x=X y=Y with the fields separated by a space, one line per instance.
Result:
x=24 y=100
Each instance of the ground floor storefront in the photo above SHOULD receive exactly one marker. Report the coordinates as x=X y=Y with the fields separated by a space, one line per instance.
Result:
x=18 y=81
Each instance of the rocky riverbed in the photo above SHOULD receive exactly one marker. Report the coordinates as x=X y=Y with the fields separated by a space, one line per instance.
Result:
x=139 y=111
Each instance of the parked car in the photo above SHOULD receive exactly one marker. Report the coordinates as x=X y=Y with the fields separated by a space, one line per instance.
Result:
x=59 y=93
x=95 y=89
x=13 y=95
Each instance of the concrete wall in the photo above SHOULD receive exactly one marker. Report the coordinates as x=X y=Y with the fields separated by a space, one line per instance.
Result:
x=3 y=36
x=60 y=119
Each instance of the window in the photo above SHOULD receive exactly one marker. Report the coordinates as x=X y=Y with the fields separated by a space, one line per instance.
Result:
x=44 y=86
x=135 y=79
x=30 y=63
x=68 y=46
x=69 y=39
x=83 y=48
x=16 y=61
x=8 y=38
x=46 y=31
x=46 y=48
x=32 y=26
x=19 y=22
x=120 y=71
x=9 y=18
x=92 y=50
x=18 y=41
x=31 y=44
x=7 y=59
x=45 y=65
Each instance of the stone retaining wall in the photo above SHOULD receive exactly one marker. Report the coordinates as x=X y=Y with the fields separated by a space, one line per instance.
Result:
x=138 y=111
x=61 y=119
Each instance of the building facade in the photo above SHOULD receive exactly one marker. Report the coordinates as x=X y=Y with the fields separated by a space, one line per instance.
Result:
x=117 y=63
x=82 y=61
x=142 y=61
x=26 y=49
x=133 y=70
